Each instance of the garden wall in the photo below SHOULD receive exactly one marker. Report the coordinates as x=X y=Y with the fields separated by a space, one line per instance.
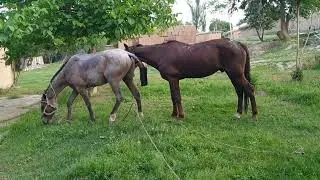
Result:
x=6 y=73
x=184 y=33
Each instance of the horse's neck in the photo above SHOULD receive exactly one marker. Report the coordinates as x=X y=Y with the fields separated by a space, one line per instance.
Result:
x=149 y=56
x=54 y=88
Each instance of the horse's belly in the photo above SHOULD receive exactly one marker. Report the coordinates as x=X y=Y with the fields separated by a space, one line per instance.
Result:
x=198 y=71
x=94 y=79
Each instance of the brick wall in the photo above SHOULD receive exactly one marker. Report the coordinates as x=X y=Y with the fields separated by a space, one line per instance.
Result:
x=184 y=33
x=201 y=37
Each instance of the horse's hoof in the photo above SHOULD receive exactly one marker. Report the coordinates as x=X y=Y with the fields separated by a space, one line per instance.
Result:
x=237 y=115
x=180 y=117
x=91 y=121
x=112 y=118
x=174 y=115
x=255 y=117
x=140 y=114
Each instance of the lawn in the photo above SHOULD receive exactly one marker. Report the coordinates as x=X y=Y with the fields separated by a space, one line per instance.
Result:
x=208 y=144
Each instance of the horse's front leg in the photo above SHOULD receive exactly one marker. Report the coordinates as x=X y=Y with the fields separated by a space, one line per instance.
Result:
x=71 y=99
x=176 y=98
x=84 y=93
x=174 y=105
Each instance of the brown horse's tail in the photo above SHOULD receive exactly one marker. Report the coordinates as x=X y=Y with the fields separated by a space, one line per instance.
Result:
x=247 y=75
x=143 y=69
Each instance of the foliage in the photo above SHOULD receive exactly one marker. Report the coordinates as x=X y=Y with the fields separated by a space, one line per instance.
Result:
x=283 y=10
x=198 y=11
x=297 y=74
x=219 y=25
x=260 y=15
x=67 y=25
x=241 y=21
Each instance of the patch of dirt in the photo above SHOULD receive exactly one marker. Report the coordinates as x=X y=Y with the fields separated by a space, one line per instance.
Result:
x=276 y=78
x=285 y=65
x=260 y=48
x=10 y=109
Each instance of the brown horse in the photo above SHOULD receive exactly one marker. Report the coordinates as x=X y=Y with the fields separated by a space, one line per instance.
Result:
x=176 y=60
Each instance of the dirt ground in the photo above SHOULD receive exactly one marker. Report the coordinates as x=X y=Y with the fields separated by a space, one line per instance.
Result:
x=10 y=109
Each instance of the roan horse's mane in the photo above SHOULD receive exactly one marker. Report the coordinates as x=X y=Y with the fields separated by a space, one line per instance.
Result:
x=58 y=71
x=56 y=74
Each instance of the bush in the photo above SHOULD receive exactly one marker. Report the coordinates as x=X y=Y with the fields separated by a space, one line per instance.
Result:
x=297 y=75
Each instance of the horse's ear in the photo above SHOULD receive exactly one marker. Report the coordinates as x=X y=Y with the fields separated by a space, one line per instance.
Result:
x=126 y=46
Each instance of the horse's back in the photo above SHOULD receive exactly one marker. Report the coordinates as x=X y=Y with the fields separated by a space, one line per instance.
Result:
x=97 y=69
x=200 y=59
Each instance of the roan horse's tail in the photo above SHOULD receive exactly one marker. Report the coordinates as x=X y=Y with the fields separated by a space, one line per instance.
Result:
x=136 y=60
x=143 y=69
x=246 y=74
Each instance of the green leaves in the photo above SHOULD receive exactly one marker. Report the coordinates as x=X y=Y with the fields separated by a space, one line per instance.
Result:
x=130 y=20
x=54 y=25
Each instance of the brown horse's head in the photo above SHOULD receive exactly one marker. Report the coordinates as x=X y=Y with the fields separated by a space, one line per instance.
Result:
x=47 y=109
x=132 y=49
x=143 y=70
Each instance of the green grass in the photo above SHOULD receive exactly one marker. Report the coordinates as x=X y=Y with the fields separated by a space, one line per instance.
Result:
x=32 y=82
x=208 y=144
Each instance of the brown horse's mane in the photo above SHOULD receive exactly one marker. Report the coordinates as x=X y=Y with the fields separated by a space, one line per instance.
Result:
x=173 y=41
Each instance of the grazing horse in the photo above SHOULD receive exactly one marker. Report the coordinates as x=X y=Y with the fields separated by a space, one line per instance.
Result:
x=176 y=60
x=83 y=71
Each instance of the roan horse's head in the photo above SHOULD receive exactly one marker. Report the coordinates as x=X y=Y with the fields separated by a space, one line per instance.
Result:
x=48 y=108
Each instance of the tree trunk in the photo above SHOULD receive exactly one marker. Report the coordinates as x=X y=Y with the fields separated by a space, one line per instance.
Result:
x=283 y=34
x=260 y=36
x=298 y=64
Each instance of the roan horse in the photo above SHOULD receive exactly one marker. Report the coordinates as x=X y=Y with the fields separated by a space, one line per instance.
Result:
x=83 y=71
x=176 y=60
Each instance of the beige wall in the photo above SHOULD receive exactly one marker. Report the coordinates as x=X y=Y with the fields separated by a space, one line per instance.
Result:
x=6 y=73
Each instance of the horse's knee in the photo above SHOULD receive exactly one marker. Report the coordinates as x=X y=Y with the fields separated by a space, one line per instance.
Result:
x=251 y=88
x=69 y=104
x=119 y=99
x=137 y=95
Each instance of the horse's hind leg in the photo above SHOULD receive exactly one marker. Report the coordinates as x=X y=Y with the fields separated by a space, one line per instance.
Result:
x=115 y=86
x=129 y=82
x=241 y=84
x=84 y=93
x=239 y=90
x=71 y=99
x=250 y=92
